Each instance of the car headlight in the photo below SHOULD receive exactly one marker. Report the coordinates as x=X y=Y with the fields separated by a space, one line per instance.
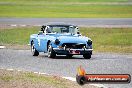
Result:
x=89 y=42
x=57 y=41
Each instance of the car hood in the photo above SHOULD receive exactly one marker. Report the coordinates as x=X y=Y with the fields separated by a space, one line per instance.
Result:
x=72 y=39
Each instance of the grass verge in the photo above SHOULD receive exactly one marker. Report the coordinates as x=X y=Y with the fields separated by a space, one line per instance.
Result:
x=15 y=79
x=65 y=9
x=11 y=79
x=104 y=39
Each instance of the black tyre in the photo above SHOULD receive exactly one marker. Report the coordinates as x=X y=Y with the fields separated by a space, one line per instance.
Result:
x=69 y=55
x=81 y=80
x=87 y=56
x=51 y=52
x=33 y=50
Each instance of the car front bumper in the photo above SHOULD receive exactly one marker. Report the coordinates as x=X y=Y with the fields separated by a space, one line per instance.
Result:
x=62 y=51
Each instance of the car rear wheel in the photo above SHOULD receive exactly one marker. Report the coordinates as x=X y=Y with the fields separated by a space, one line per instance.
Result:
x=33 y=50
x=51 y=52
x=87 y=56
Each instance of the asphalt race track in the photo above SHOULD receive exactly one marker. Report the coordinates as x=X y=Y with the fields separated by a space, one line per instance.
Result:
x=89 y=22
x=100 y=63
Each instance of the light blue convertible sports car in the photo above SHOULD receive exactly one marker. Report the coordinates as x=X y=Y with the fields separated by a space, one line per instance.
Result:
x=60 y=39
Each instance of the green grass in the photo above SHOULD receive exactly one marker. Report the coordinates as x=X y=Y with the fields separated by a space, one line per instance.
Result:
x=104 y=39
x=64 y=9
x=16 y=35
x=6 y=78
x=67 y=0
x=45 y=79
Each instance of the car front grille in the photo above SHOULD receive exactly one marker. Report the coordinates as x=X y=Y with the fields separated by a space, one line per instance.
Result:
x=73 y=45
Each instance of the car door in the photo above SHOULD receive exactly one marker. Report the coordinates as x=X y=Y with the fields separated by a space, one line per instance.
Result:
x=41 y=43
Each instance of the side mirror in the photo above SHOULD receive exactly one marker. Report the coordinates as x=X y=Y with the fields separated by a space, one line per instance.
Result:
x=40 y=33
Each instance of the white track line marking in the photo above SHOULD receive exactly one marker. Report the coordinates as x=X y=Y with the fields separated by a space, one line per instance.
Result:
x=2 y=47
x=43 y=73
x=2 y=68
x=10 y=69
x=23 y=25
x=13 y=25
x=36 y=72
x=19 y=70
x=99 y=85
x=70 y=78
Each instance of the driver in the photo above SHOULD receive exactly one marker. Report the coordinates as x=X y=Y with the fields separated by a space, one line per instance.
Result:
x=43 y=28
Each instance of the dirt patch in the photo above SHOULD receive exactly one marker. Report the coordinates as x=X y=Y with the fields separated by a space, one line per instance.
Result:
x=20 y=79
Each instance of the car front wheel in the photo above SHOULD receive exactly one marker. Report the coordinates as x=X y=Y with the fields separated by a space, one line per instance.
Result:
x=33 y=50
x=51 y=52
x=69 y=55
x=87 y=56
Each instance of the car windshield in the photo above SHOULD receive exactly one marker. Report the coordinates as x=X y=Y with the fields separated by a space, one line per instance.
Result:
x=62 y=29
